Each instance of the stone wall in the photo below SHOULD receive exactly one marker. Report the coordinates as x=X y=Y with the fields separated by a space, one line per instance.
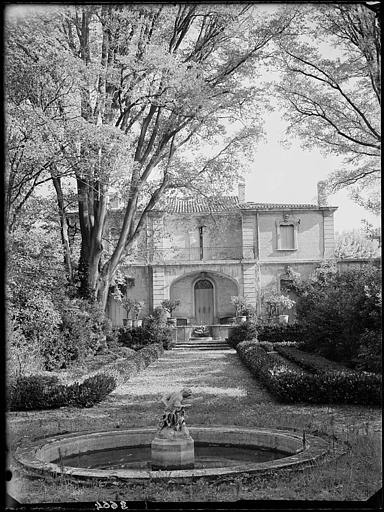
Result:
x=310 y=237
x=222 y=237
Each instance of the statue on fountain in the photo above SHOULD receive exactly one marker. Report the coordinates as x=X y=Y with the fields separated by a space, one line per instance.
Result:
x=173 y=447
x=174 y=412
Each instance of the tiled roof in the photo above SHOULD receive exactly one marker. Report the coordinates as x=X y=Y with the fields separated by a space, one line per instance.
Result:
x=214 y=204
x=222 y=204
x=272 y=206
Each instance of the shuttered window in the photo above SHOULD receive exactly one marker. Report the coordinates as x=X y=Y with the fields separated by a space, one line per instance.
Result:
x=287 y=237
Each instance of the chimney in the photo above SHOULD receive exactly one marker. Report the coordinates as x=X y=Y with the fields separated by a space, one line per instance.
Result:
x=321 y=193
x=241 y=191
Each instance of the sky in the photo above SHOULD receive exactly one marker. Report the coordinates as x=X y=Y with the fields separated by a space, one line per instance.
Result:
x=290 y=175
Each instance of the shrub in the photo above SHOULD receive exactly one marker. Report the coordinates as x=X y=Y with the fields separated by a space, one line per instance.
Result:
x=130 y=367
x=369 y=357
x=23 y=355
x=140 y=337
x=45 y=392
x=81 y=334
x=242 y=332
x=36 y=392
x=280 y=333
x=335 y=309
x=92 y=391
x=32 y=392
x=266 y=345
x=311 y=362
x=289 y=385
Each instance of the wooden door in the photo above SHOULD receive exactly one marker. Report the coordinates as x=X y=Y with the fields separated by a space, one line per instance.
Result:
x=204 y=302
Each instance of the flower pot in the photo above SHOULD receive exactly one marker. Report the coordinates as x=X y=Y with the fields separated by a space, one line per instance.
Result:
x=283 y=319
x=127 y=322
x=137 y=323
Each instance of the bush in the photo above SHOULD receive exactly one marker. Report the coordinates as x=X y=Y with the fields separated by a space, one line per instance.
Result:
x=127 y=368
x=140 y=337
x=311 y=362
x=369 y=357
x=92 y=391
x=243 y=332
x=31 y=392
x=36 y=392
x=335 y=309
x=81 y=333
x=280 y=333
x=45 y=392
x=291 y=386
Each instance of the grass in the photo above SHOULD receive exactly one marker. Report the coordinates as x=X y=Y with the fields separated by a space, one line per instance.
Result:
x=231 y=396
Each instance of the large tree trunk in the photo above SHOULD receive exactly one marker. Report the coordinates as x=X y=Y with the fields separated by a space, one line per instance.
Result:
x=83 y=270
x=63 y=227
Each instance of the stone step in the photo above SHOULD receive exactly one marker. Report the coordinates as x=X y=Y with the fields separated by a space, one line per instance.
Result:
x=202 y=346
x=201 y=349
x=201 y=338
x=210 y=343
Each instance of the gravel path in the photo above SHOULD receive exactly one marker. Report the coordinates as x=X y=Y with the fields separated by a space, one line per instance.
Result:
x=210 y=374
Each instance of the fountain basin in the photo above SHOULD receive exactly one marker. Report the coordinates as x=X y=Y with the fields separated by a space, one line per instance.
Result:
x=44 y=455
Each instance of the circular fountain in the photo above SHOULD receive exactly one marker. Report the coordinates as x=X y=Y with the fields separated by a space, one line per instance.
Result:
x=171 y=451
x=219 y=452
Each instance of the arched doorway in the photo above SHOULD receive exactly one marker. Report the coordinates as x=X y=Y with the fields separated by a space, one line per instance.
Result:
x=204 y=310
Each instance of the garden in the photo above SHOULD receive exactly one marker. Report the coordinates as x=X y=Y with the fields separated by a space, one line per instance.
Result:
x=112 y=112
x=278 y=378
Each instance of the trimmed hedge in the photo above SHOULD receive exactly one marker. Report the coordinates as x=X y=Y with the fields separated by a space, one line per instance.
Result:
x=269 y=346
x=242 y=332
x=127 y=368
x=311 y=362
x=279 y=333
x=37 y=392
x=139 y=337
x=289 y=385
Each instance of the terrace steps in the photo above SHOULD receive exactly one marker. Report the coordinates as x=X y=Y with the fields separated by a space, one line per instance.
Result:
x=206 y=343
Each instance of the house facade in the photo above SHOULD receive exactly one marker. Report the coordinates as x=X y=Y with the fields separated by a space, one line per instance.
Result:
x=204 y=251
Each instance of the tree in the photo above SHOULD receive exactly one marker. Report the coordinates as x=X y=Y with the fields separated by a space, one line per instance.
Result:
x=355 y=244
x=331 y=87
x=149 y=82
x=340 y=312
x=39 y=89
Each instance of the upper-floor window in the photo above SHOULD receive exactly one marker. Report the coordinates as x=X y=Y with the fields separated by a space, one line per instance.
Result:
x=201 y=241
x=286 y=234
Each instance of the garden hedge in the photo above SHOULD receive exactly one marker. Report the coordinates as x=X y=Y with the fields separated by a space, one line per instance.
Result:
x=311 y=362
x=290 y=385
x=280 y=332
x=242 y=332
x=35 y=392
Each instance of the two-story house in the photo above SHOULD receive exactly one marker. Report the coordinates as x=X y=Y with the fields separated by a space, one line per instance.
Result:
x=202 y=252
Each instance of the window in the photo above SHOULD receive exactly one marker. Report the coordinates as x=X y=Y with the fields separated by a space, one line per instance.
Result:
x=287 y=237
x=286 y=234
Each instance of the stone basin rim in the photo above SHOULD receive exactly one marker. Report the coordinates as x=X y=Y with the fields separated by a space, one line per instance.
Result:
x=31 y=457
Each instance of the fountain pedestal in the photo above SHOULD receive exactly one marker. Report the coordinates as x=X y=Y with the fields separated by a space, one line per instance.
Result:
x=172 y=449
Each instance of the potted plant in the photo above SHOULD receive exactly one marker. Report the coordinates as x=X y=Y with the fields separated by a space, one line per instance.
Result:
x=241 y=307
x=136 y=308
x=127 y=304
x=170 y=305
x=278 y=305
